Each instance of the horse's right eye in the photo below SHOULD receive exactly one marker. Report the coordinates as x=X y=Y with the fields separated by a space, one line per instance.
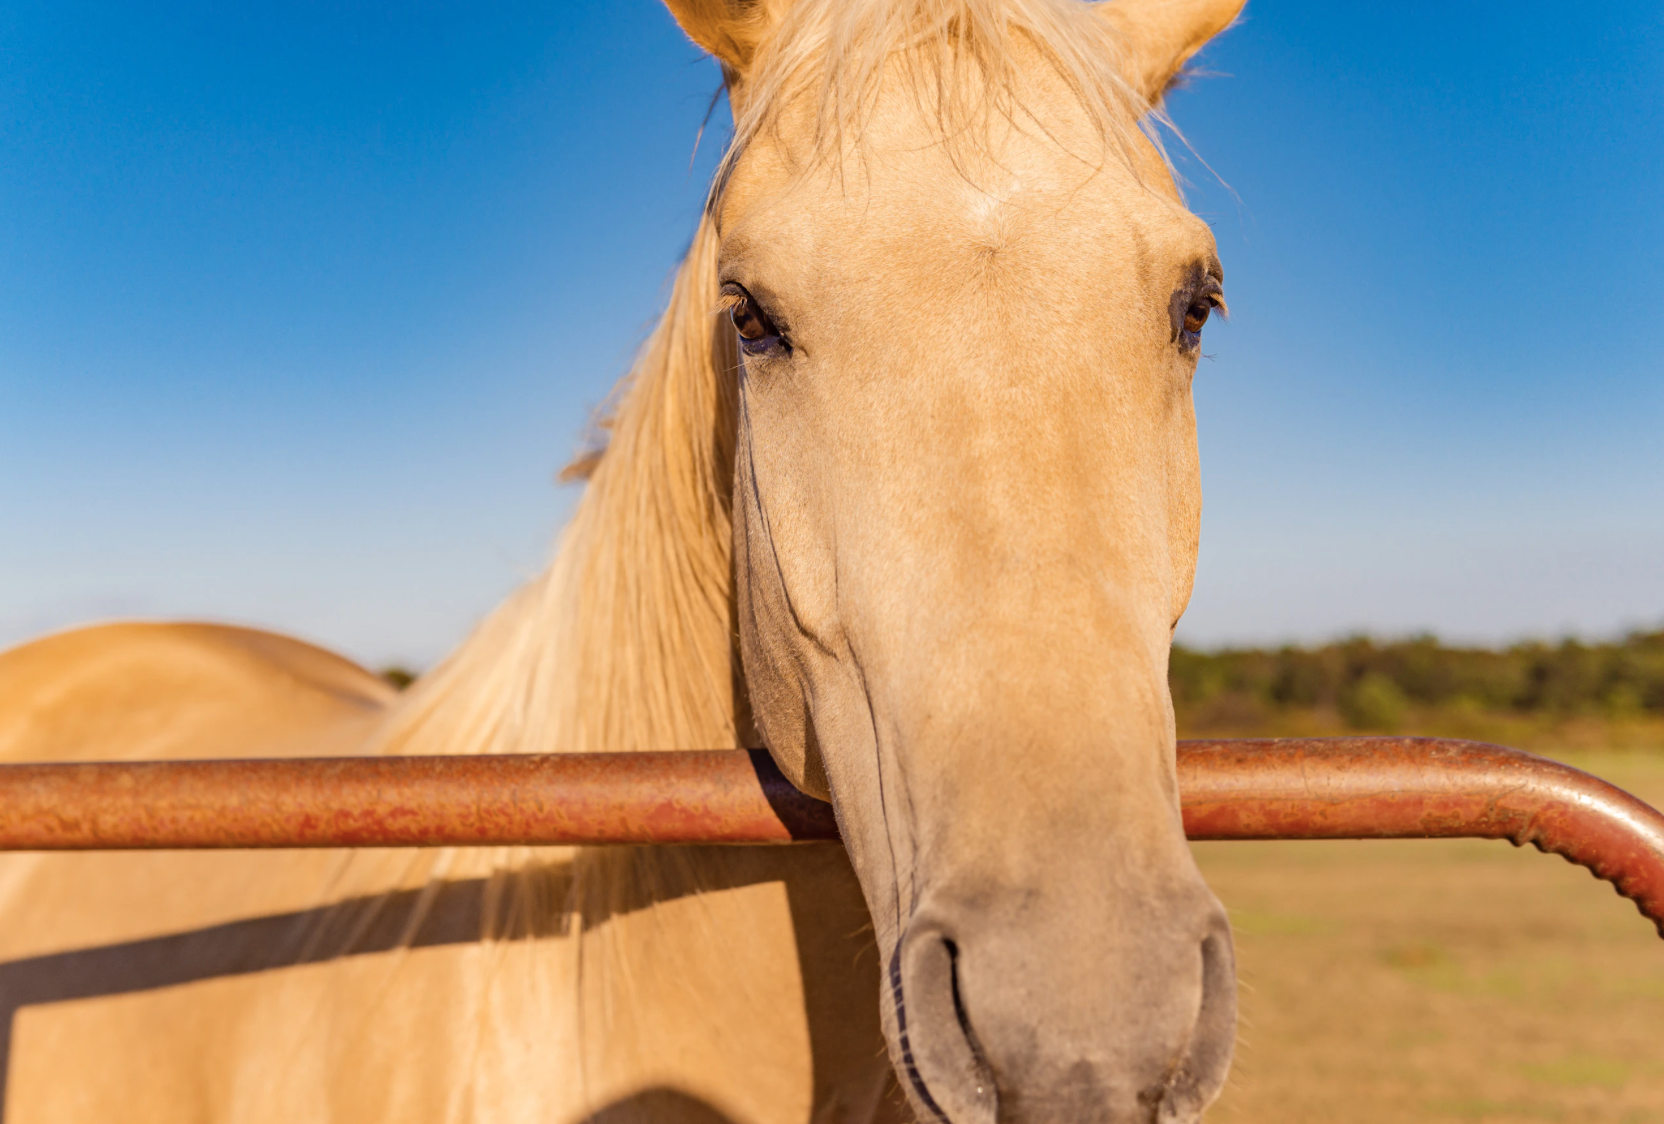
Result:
x=750 y=321
x=757 y=332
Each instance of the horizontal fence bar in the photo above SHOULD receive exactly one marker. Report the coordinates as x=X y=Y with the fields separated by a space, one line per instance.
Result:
x=1297 y=788
x=703 y=796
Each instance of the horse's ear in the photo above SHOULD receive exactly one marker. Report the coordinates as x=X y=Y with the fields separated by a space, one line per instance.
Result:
x=728 y=29
x=1161 y=35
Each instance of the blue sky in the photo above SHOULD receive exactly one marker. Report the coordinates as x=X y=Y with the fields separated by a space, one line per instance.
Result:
x=301 y=308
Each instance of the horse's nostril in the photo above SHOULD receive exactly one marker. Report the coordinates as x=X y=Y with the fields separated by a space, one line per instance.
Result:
x=941 y=1057
x=1207 y=1058
x=985 y=1075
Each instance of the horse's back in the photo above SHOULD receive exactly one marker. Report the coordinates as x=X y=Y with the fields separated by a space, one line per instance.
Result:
x=719 y=985
x=130 y=983
x=136 y=691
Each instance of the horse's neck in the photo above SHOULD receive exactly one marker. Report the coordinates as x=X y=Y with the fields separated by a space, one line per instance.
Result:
x=625 y=642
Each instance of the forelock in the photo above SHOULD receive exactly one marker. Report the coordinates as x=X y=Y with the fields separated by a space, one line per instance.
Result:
x=962 y=60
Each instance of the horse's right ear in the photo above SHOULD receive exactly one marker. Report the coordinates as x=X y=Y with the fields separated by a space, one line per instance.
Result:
x=1161 y=35
x=728 y=29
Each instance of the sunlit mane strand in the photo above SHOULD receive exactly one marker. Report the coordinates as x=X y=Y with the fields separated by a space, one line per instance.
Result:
x=624 y=643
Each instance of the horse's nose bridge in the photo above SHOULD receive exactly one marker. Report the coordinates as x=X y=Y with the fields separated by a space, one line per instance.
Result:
x=1002 y=489
x=1008 y=677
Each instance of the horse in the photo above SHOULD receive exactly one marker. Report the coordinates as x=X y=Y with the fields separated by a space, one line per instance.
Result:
x=903 y=485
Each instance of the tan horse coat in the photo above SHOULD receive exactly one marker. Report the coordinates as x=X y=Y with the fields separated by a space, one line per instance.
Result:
x=685 y=984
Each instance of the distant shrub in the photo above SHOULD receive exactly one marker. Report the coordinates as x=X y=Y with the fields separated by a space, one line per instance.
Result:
x=399 y=677
x=1374 y=703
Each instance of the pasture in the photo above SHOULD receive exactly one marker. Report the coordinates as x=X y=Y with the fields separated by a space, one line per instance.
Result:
x=1448 y=981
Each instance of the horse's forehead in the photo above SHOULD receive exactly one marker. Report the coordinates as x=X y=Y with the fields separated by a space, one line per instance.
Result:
x=1017 y=187
x=1046 y=180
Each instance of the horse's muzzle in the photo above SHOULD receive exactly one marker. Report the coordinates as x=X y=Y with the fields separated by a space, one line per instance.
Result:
x=1014 y=1017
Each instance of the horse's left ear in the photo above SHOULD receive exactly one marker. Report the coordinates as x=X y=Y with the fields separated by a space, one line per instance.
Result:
x=1161 y=35
x=728 y=29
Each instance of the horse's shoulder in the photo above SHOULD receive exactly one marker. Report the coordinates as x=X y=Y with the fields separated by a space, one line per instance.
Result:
x=138 y=690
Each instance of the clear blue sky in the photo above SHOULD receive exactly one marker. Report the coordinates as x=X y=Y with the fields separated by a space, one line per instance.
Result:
x=301 y=308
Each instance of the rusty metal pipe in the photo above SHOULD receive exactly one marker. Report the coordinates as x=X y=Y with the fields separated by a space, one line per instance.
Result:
x=1318 y=788
x=704 y=796
x=1423 y=788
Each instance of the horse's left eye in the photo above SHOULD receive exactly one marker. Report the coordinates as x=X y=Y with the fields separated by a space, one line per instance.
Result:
x=1190 y=308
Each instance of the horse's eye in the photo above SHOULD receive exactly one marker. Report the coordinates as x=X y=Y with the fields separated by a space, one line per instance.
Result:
x=1191 y=305
x=749 y=320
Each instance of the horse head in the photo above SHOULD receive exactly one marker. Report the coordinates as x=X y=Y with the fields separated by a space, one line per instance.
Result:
x=968 y=304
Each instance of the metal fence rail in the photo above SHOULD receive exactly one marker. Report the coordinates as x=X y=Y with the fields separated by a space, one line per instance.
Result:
x=1423 y=788
x=1309 y=788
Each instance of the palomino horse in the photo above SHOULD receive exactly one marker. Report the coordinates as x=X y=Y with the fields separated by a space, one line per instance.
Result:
x=904 y=483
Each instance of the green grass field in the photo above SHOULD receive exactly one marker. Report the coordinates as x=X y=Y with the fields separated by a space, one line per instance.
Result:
x=1457 y=980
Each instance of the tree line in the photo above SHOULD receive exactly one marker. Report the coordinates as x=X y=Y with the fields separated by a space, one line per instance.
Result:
x=1370 y=683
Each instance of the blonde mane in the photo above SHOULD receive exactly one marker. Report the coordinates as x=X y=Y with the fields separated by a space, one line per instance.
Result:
x=625 y=641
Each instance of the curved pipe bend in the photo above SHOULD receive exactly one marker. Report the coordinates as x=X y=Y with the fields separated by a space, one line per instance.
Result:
x=1423 y=788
